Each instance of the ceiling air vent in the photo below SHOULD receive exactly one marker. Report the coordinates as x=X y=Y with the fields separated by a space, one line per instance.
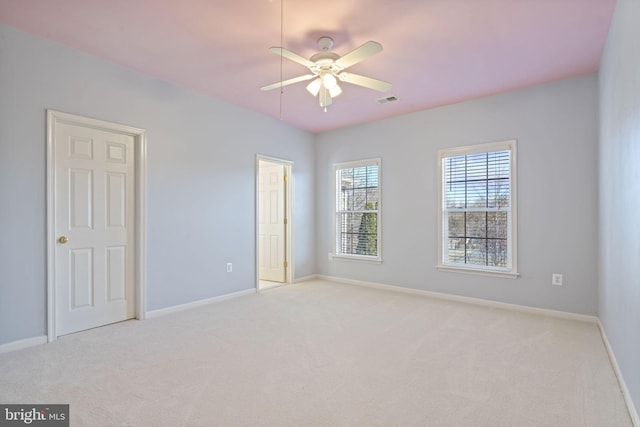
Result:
x=392 y=98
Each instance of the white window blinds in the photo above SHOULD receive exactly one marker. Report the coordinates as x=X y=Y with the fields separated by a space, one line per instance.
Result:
x=476 y=203
x=357 y=212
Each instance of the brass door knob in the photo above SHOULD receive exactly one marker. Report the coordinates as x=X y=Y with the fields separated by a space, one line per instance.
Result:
x=62 y=240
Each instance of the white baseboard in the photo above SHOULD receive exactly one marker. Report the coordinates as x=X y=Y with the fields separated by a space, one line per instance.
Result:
x=306 y=278
x=25 y=343
x=633 y=413
x=182 y=307
x=468 y=300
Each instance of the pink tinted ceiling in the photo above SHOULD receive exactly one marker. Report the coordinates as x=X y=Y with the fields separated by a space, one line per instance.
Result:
x=436 y=52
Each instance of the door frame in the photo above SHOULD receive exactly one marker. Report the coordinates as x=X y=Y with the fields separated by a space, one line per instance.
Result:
x=288 y=209
x=140 y=165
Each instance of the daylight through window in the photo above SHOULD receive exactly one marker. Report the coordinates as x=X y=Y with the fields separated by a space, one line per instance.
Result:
x=357 y=213
x=477 y=206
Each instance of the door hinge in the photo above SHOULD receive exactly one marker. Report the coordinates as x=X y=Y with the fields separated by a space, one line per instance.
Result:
x=285 y=221
x=286 y=178
x=286 y=264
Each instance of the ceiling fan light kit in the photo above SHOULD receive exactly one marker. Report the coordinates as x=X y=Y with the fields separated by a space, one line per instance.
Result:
x=327 y=69
x=314 y=87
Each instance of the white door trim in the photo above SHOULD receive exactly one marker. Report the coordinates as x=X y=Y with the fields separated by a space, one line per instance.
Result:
x=140 y=144
x=288 y=212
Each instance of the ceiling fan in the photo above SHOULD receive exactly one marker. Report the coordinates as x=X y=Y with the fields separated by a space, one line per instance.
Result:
x=328 y=67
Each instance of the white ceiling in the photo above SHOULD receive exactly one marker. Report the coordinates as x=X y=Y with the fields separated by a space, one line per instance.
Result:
x=436 y=52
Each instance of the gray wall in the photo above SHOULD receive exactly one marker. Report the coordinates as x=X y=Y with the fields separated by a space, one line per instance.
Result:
x=619 y=296
x=556 y=126
x=201 y=179
x=201 y=184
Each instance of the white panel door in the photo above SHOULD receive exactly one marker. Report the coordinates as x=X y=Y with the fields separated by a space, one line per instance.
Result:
x=94 y=223
x=271 y=222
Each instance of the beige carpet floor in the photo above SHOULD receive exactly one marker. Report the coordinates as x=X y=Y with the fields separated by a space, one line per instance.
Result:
x=326 y=354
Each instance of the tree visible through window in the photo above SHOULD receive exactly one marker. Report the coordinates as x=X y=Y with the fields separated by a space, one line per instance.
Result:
x=358 y=209
x=477 y=207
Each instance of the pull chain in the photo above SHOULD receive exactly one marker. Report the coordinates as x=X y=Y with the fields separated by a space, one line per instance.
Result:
x=281 y=46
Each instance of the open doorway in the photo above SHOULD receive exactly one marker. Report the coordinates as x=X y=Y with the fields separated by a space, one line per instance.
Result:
x=273 y=222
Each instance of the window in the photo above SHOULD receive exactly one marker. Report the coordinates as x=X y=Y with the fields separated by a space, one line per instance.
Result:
x=477 y=229
x=357 y=210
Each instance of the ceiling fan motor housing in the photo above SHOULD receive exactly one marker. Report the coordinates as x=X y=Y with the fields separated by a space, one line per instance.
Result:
x=325 y=61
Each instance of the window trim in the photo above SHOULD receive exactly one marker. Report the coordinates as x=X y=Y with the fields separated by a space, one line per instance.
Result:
x=334 y=254
x=512 y=232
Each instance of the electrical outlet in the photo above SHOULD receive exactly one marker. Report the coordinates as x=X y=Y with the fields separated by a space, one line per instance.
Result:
x=556 y=279
x=229 y=267
x=330 y=256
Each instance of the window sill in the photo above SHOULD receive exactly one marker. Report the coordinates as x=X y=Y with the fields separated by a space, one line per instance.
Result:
x=365 y=259
x=478 y=271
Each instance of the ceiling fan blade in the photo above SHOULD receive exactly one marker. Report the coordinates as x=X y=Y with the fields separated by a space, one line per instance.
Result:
x=290 y=55
x=359 y=54
x=364 y=81
x=288 y=82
